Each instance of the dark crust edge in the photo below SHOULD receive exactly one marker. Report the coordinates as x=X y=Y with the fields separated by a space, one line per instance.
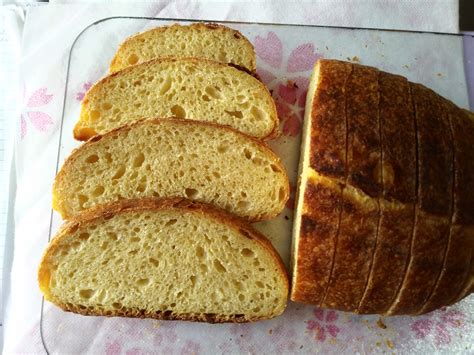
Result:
x=166 y=315
x=153 y=204
x=274 y=114
x=210 y=25
x=275 y=158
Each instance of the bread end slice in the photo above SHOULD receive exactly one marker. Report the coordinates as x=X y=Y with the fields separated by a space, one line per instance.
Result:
x=207 y=40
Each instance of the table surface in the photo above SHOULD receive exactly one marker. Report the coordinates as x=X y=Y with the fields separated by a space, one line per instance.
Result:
x=442 y=17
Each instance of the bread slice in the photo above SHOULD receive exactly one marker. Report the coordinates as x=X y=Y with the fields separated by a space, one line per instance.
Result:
x=207 y=40
x=360 y=211
x=433 y=212
x=189 y=88
x=318 y=199
x=398 y=177
x=174 y=158
x=164 y=259
x=458 y=256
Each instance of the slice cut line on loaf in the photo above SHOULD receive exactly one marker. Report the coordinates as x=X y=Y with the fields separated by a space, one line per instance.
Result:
x=185 y=88
x=164 y=259
x=174 y=158
x=210 y=41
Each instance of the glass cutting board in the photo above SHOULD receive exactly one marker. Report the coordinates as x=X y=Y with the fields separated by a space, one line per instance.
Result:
x=285 y=57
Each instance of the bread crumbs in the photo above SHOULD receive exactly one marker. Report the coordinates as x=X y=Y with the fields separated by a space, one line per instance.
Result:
x=389 y=343
x=381 y=324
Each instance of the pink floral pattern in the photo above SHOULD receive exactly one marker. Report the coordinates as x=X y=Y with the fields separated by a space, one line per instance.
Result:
x=323 y=326
x=301 y=328
x=190 y=348
x=165 y=335
x=437 y=324
x=290 y=101
x=270 y=49
x=290 y=96
x=113 y=348
x=302 y=58
x=81 y=94
x=40 y=120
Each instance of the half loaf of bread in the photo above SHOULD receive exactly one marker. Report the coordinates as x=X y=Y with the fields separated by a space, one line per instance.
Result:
x=385 y=215
x=206 y=40
x=189 y=88
x=174 y=158
x=164 y=259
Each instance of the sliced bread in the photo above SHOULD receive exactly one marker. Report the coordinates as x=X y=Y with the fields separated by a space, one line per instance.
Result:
x=189 y=88
x=399 y=184
x=358 y=220
x=174 y=158
x=384 y=220
x=164 y=259
x=211 y=41
x=434 y=207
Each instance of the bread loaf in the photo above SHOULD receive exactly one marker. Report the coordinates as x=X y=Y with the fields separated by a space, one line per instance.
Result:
x=174 y=158
x=190 y=88
x=384 y=220
x=211 y=41
x=164 y=259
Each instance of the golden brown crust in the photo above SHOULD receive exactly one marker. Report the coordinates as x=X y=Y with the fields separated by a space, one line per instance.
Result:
x=456 y=267
x=147 y=204
x=390 y=259
x=84 y=133
x=76 y=152
x=426 y=260
x=468 y=285
x=322 y=203
x=358 y=222
x=463 y=130
x=434 y=204
x=319 y=221
x=424 y=255
x=398 y=139
x=114 y=65
x=435 y=152
x=363 y=139
x=354 y=249
x=328 y=123
x=166 y=315
x=397 y=125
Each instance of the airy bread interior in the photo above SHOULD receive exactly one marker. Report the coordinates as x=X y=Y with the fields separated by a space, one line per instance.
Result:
x=182 y=88
x=209 y=41
x=174 y=158
x=164 y=261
